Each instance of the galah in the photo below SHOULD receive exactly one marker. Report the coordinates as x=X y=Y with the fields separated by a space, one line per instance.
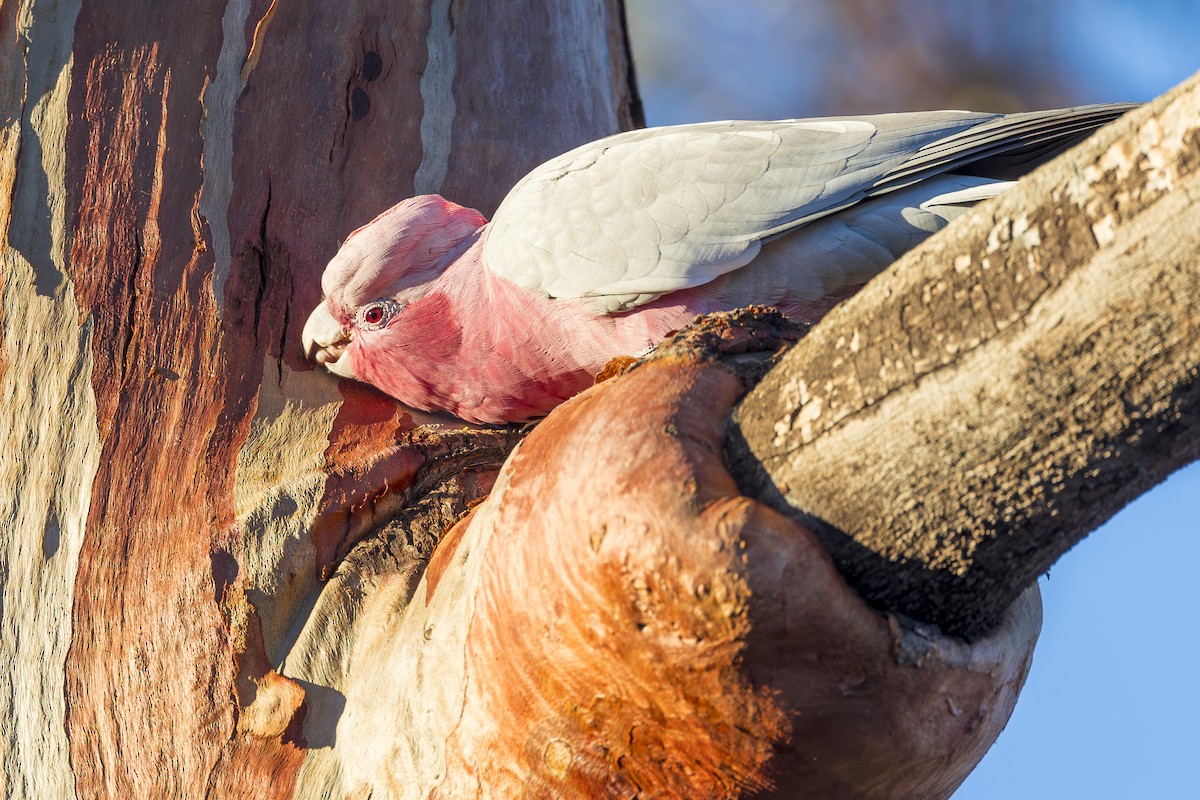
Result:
x=605 y=250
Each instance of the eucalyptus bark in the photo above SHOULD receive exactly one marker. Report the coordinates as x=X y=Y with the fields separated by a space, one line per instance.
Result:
x=214 y=559
x=177 y=486
x=1004 y=389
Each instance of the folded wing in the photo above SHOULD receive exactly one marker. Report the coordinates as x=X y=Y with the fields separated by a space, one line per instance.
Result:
x=634 y=216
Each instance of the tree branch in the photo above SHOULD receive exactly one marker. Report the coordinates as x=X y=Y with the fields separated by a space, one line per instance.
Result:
x=1001 y=391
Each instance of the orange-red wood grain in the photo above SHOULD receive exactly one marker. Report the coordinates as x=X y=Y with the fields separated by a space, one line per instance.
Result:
x=191 y=338
x=641 y=629
x=150 y=659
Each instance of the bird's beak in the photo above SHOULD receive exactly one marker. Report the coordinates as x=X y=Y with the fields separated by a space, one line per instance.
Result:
x=325 y=342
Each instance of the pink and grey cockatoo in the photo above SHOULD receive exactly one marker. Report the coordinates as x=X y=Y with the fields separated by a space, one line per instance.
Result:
x=605 y=250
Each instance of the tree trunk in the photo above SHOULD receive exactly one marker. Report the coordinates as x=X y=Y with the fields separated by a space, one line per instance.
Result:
x=172 y=180
x=226 y=575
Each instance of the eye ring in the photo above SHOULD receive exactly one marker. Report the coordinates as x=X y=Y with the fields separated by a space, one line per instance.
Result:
x=376 y=315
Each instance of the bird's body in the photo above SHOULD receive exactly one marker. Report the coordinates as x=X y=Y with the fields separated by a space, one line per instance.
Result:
x=605 y=250
x=474 y=364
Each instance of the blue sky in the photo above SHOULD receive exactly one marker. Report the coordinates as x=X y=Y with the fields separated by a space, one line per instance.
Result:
x=1110 y=707
x=767 y=59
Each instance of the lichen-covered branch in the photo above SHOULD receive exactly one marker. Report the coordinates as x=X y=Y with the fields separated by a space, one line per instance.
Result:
x=1001 y=391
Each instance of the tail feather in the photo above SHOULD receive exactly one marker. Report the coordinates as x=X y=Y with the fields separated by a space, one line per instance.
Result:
x=1005 y=147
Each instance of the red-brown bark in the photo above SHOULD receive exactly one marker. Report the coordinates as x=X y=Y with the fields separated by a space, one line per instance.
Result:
x=205 y=182
x=676 y=639
x=150 y=661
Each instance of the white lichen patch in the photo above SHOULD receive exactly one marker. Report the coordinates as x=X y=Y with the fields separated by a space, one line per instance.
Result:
x=1104 y=230
x=1028 y=235
x=808 y=415
x=1117 y=159
x=998 y=236
x=1160 y=148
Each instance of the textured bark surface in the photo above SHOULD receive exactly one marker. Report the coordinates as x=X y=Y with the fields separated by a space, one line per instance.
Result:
x=682 y=640
x=177 y=490
x=221 y=571
x=959 y=424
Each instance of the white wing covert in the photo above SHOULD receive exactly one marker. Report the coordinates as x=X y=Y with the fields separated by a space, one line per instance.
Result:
x=639 y=214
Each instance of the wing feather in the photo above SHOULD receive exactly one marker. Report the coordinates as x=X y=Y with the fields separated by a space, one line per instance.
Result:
x=647 y=212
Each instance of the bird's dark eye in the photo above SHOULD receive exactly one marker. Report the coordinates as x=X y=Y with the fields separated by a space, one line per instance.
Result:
x=376 y=315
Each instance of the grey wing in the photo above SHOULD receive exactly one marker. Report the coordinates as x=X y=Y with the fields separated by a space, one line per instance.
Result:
x=628 y=218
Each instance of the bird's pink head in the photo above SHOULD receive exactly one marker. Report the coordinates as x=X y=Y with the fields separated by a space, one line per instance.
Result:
x=385 y=267
x=403 y=248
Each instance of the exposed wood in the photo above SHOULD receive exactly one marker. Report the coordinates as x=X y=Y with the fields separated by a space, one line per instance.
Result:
x=680 y=640
x=1004 y=389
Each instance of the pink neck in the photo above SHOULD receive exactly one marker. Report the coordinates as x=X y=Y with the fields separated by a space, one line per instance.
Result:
x=488 y=350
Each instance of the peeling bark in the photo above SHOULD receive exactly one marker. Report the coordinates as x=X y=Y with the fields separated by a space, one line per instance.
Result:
x=174 y=479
